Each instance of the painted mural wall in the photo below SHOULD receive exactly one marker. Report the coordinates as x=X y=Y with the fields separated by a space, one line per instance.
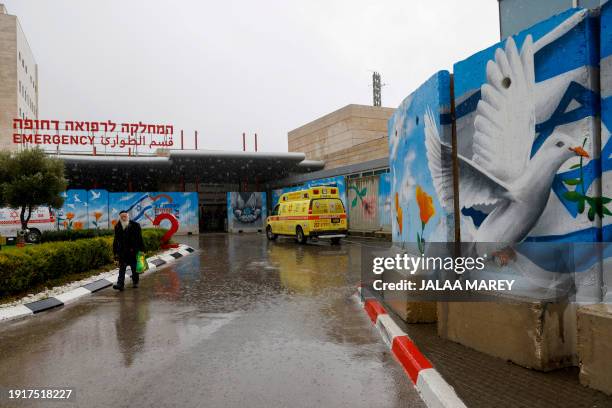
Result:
x=97 y=209
x=606 y=144
x=420 y=152
x=526 y=124
x=246 y=212
x=384 y=202
x=363 y=203
x=529 y=147
x=74 y=213
x=143 y=207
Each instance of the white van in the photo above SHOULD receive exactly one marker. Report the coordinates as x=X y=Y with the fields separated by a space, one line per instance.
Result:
x=42 y=219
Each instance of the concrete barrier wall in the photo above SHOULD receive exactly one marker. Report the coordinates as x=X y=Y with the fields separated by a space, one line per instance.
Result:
x=73 y=214
x=420 y=159
x=606 y=142
x=143 y=207
x=530 y=155
x=595 y=321
x=522 y=106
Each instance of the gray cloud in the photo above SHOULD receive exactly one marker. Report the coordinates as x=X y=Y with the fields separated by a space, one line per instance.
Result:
x=233 y=66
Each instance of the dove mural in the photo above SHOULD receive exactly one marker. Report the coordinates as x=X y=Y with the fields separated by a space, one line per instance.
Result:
x=98 y=209
x=246 y=211
x=74 y=213
x=421 y=168
x=523 y=112
x=528 y=143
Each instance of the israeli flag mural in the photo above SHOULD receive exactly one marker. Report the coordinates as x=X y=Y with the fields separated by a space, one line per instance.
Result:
x=529 y=143
x=143 y=207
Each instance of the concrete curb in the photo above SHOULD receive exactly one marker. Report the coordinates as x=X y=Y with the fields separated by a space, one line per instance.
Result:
x=155 y=262
x=434 y=390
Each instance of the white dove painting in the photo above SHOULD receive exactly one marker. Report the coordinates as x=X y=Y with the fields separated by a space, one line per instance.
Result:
x=422 y=182
x=529 y=143
x=527 y=135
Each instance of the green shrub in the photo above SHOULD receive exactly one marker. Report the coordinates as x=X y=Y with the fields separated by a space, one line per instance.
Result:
x=71 y=235
x=36 y=264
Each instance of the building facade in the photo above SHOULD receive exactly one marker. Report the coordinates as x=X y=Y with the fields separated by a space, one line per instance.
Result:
x=353 y=134
x=18 y=77
x=517 y=15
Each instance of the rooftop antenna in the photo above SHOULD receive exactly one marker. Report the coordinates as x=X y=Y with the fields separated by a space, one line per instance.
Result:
x=377 y=88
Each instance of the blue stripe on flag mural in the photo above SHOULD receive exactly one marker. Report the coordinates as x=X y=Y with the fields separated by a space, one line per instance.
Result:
x=572 y=43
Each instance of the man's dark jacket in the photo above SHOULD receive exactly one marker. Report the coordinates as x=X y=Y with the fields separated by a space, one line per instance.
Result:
x=127 y=242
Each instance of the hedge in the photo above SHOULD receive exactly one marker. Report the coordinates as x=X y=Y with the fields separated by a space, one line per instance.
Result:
x=36 y=264
x=71 y=235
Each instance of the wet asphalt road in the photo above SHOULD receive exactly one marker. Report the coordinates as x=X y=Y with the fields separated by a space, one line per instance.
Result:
x=241 y=323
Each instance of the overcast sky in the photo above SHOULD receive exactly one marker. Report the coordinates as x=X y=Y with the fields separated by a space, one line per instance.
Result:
x=224 y=67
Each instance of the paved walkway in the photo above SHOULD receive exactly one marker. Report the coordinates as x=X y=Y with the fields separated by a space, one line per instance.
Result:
x=484 y=381
x=242 y=323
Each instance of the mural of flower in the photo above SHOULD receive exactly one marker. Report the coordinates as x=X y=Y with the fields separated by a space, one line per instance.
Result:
x=426 y=211
x=70 y=215
x=426 y=207
x=113 y=223
x=369 y=207
x=97 y=216
x=78 y=225
x=597 y=205
x=398 y=213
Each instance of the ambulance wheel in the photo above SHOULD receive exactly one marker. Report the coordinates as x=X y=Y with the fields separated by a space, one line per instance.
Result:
x=271 y=236
x=335 y=241
x=33 y=236
x=299 y=235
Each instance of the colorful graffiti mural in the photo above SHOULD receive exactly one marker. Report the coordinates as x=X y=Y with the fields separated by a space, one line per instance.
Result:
x=97 y=208
x=420 y=160
x=363 y=203
x=246 y=212
x=74 y=213
x=143 y=207
x=384 y=201
x=526 y=127
x=529 y=147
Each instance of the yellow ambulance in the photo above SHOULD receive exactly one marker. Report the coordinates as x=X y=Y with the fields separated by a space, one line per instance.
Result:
x=313 y=212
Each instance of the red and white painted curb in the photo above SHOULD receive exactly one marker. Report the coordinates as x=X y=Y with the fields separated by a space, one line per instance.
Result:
x=434 y=390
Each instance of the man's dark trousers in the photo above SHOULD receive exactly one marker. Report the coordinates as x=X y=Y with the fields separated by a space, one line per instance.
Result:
x=122 y=267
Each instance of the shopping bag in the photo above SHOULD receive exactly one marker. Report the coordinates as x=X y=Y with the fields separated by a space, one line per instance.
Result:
x=141 y=263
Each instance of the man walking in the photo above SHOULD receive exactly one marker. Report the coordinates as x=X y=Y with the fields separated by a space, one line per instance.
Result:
x=127 y=243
